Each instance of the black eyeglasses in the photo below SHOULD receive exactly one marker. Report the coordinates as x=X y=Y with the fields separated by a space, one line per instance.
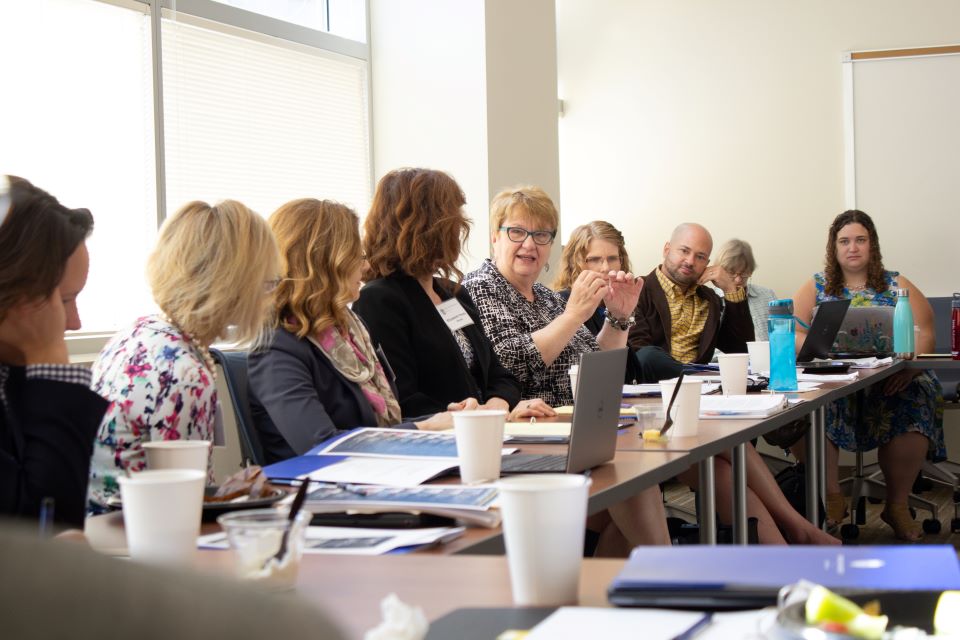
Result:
x=519 y=235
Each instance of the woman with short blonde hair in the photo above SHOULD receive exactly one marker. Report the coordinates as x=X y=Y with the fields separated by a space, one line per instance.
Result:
x=736 y=258
x=212 y=274
x=320 y=372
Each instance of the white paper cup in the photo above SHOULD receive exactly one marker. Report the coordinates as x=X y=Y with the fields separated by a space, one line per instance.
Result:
x=574 y=373
x=544 y=516
x=161 y=514
x=686 y=408
x=759 y=353
x=479 y=437
x=177 y=454
x=733 y=373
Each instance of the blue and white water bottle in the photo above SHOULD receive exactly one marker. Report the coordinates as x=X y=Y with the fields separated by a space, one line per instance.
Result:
x=783 y=351
x=903 y=326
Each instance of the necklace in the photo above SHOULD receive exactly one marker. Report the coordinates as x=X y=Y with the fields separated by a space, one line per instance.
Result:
x=201 y=349
x=856 y=288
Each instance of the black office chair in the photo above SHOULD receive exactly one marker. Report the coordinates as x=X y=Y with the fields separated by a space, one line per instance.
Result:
x=234 y=366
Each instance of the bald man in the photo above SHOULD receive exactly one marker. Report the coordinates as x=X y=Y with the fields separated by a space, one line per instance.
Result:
x=678 y=319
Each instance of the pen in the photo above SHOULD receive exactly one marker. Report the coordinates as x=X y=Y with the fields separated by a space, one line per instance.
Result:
x=695 y=629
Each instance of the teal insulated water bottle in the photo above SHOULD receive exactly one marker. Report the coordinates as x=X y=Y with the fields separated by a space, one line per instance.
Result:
x=903 y=326
x=783 y=354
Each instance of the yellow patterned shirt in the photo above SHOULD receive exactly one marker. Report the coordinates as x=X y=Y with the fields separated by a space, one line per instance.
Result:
x=688 y=317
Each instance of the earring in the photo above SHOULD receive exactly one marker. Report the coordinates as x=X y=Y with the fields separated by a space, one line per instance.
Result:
x=546 y=267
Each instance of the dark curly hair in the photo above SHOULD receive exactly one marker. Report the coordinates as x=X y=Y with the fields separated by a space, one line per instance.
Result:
x=416 y=225
x=833 y=273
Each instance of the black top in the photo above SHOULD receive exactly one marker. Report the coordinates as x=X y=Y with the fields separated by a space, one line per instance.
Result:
x=47 y=429
x=429 y=365
x=298 y=398
x=729 y=325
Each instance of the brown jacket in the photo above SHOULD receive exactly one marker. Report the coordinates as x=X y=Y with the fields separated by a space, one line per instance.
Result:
x=729 y=326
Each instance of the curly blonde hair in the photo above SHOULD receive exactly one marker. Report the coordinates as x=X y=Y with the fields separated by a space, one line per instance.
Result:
x=575 y=252
x=320 y=252
x=208 y=270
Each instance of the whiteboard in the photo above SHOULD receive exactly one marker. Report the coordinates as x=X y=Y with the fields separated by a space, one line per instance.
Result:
x=902 y=149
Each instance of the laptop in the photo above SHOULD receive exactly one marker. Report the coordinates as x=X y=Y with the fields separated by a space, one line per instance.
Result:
x=596 y=417
x=865 y=332
x=738 y=577
x=823 y=330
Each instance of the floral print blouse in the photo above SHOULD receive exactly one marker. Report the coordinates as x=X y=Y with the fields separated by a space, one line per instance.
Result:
x=159 y=388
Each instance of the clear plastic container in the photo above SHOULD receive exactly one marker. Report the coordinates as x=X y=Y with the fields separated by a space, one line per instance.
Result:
x=255 y=536
x=783 y=351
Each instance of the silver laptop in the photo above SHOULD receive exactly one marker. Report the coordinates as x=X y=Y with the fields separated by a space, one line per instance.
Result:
x=866 y=331
x=596 y=418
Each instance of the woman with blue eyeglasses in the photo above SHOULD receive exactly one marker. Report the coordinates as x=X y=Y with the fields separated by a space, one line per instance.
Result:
x=536 y=333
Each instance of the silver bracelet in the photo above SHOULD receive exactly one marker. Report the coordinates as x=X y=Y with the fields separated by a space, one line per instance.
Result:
x=619 y=323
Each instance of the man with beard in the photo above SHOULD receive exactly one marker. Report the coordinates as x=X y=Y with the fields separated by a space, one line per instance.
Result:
x=678 y=319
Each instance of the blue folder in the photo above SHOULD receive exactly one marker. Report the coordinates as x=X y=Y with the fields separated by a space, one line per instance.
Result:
x=738 y=577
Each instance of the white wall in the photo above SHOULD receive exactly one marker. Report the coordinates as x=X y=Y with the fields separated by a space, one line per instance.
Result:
x=468 y=87
x=725 y=113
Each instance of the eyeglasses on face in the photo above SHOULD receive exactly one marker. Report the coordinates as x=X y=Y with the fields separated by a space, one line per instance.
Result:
x=743 y=276
x=269 y=286
x=596 y=261
x=519 y=235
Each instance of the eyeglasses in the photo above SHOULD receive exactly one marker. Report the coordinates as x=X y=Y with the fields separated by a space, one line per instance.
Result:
x=596 y=261
x=743 y=277
x=519 y=235
x=269 y=286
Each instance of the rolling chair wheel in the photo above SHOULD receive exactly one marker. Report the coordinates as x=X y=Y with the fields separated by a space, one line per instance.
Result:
x=931 y=526
x=849 y=532
x=954 y=525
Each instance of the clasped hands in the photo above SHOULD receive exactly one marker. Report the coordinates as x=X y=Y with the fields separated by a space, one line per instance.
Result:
x=618 y=290
x=720 y=277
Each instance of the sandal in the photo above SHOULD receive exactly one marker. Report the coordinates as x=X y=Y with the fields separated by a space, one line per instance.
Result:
x=836 y=509
x=903 y=525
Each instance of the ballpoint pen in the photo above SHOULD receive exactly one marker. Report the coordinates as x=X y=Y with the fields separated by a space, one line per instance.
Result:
x=694 y=630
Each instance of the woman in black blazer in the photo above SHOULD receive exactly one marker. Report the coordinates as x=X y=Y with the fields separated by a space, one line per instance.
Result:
x=48 y=414
x=427 y=325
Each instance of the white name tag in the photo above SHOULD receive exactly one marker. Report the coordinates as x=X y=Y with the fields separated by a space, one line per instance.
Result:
x=454 y=314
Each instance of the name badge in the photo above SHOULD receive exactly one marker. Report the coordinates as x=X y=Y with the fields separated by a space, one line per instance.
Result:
x=454 y=314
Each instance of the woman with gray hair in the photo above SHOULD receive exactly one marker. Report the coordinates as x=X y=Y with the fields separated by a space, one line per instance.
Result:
x=736 y=257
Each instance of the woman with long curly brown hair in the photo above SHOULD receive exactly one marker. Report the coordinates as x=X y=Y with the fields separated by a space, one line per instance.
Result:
x=321 y=372
x=903 y=415
x=415 y=307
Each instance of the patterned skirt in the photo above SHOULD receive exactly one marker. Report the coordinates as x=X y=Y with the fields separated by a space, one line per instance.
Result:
x=869 y=419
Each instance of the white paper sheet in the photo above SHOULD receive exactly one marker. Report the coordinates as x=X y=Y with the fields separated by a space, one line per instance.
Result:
x=400 y=472
x=355 y=541
x=576 y=623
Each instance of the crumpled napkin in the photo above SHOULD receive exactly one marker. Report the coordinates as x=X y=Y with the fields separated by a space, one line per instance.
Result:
x=400 y=621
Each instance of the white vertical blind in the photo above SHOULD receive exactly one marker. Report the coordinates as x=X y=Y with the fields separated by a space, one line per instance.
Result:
x=76 y=120
x=261 y=123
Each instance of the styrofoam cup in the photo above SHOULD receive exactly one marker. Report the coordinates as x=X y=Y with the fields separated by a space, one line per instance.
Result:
x=177 y=454
x=479 y=436
x=686 y=408
x=733 y=373
x=574 y=373
x=161 y=514
x=759 y=356
x=543 y=524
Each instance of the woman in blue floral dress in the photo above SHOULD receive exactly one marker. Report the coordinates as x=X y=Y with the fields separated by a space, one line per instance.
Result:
x=903 y=414
x=213 y=267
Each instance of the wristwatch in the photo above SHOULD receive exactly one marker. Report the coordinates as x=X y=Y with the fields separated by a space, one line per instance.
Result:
x=620 y=323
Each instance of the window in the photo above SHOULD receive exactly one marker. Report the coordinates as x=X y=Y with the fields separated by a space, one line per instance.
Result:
x=252 y=110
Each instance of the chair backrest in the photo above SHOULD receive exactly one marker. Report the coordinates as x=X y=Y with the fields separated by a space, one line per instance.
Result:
x=941 y=322
x=234 y=365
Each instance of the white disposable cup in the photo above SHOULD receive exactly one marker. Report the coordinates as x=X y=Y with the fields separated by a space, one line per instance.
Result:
x=686 y=408
x=543 y=523
x=759 y=353
x=177 y=454
x=574 y=373
x=161 y=514
x=733 y=373
x=479 y=436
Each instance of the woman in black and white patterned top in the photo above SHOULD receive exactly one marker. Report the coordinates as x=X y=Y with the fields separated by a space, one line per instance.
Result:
x=536 y=334
x=538 y=337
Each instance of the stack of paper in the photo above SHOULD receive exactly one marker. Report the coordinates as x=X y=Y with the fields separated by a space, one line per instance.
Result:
x=468 y=504
x=653 y=390
x=827 y=377
x=356 y=541
x=737 y=407
x=868 y=363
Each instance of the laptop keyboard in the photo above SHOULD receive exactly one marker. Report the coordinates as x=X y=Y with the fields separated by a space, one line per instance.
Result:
x=533 y=463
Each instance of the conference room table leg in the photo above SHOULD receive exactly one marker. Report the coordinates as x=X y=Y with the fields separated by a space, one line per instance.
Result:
x=820 y=419
x=740 y=494
x=707 y=497
x=815 y=462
